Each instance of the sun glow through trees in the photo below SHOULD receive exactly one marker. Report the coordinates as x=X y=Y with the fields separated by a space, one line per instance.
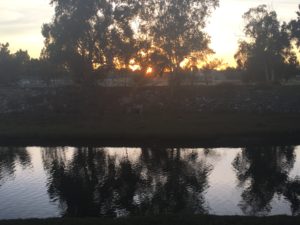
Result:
x=149 y=71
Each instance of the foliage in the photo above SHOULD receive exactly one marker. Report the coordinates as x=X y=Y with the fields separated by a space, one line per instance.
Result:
x=88 y=34
x=294 y=27
x=252 y=170
x=18 y=66
x=95 y=183
x=266 y=53
x=176 y=27
x=85 y=35
x=12 y=65
x=92 y=39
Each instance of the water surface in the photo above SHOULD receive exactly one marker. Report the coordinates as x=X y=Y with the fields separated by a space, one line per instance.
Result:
x=38 y=182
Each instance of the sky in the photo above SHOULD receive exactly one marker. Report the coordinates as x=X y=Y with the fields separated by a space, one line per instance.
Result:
x=21 y=22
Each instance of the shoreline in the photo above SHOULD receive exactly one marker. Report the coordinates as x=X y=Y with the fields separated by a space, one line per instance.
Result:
x=218 y=116
x=118 y=142
x=166 y=220
x=197 y=130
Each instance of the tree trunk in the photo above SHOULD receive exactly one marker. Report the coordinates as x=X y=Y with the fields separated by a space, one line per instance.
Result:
x=266 y=73
x=273 y=75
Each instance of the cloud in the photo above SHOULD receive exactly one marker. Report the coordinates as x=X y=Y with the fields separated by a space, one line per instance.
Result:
x=226 y=24
x=21 y=22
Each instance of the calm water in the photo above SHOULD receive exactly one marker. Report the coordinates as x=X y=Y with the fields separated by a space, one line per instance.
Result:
x=50 y=182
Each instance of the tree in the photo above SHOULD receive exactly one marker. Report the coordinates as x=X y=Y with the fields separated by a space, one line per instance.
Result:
x=10 y=157
x=13 y=66
x=261 y=181
x=4 y=52
x=209 y=67
x=85 y=35
x=89 y=35
x=294 y=27
x=266 y=53
x=5 y=64
x=95 y=182
x=21 y=62
x=175 y=27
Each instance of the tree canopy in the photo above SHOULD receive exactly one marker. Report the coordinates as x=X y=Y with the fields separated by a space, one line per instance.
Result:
x=87 y=34
x=91 y=34
x=176 y=27
x=294 y=26
x=91 y=38
x=13 y=65
x=266 y=53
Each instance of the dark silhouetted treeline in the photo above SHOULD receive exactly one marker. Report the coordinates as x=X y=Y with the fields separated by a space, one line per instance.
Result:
x=90 y=40
x=19 y=68
x=267 y=53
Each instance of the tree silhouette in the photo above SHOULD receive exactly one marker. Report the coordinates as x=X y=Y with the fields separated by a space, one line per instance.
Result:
x=73 y=183
x=177 y=181
x=263 y=172
x=5 y=63
x=18 y=66
x=90 y=34
x=266 y=55
x=95 y=183
x=294 y=27
x=11 y=157
x=176 y=27
x=292 y=194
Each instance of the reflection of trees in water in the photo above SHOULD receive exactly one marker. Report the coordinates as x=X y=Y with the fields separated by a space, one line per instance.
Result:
x=179 y=184
x=10 y=157
x=52 y=156
x=96 y=183
x=264 y=172
x=73 y=182
x=292 y=194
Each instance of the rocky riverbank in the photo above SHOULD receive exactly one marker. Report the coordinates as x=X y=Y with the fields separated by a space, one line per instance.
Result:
x=200 y=99
x=207 y=116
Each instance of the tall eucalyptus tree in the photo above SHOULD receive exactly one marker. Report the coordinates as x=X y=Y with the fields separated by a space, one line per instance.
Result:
x=90 y=34
x=176 y=27
x=266 y=52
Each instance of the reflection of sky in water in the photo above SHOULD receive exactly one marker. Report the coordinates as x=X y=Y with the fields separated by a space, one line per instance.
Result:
x=24 y=193
x=296 y=170
x=222 y=180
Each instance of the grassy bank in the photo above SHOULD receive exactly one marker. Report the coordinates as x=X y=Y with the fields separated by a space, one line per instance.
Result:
x=186 y=129
x=169 y=220
x=207 y=116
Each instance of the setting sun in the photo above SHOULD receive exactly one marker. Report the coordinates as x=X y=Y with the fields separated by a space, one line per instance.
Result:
x=135 y=67
x=149 y=70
